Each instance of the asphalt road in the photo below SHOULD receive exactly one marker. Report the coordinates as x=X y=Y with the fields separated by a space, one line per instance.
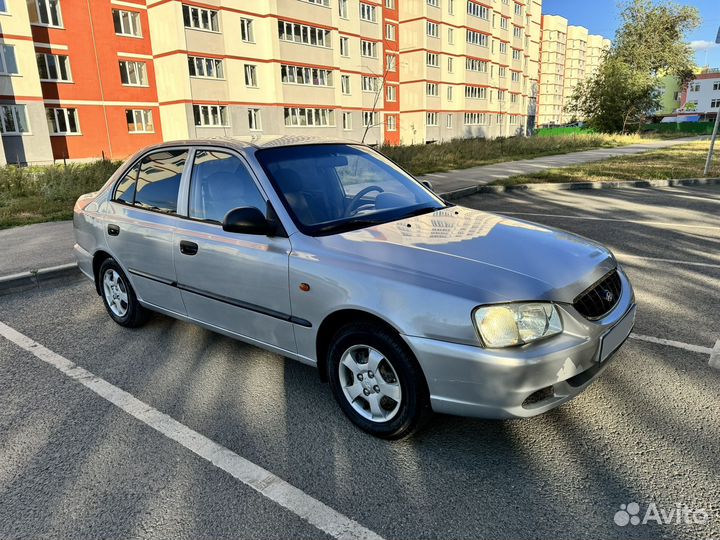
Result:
x=74 y=465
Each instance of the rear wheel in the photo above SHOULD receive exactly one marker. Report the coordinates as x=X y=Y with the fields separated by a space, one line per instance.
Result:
x=377 y=381
x=119 y=297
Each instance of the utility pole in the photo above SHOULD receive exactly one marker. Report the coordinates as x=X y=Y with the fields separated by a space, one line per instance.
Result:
x=708 y=163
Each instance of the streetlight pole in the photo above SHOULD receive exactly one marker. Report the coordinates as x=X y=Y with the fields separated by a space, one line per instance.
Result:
x=708 y=163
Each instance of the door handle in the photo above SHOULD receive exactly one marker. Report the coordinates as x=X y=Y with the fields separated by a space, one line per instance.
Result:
x=113 y=230
x=188 y=248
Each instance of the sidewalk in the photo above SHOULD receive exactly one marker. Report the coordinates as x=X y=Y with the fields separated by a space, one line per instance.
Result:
x=48 y=245
x=466 y=179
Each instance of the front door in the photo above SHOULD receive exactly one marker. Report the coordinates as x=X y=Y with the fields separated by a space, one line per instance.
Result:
x=140 y=227
x=236 y=282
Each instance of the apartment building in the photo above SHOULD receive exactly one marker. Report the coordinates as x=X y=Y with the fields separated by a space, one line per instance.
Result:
x=78 y=80
x=275 y=67
x=701 y=97
x=468 y=68
x=569 y=55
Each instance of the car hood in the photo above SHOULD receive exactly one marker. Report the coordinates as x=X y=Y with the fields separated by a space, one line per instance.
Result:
x=489 y=256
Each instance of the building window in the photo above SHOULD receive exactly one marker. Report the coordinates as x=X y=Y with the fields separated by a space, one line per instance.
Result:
x=513 y=98
x=391 y=121
x=390 y=4
x=502 y=72
x=13 y=119
x=475 y=119
x=431 y=89
x=476 y=38
x=517 y=31
x=390 y=32
x=431 y=119
x=475 y=92
x=695 y=87
x=716 y=87
x=324 y=3
x=45 y=12
x=210 y=115
x=503 y=47
x=477 y=10
x=307 y=35
x=513 y=120
x=391 y=93
x=254 y=120
x=54 y=67
x=433 y=3
x=370 y=84
x=368 y=48
x=139 y=121
x=473 y=64
x=391 y=61
x=127 y=23
x=201 y=19
x=8 y=63
x=450 y=93
x=715 y=103
x=433 y=60
x=451 y=7
x=305 y=75
x=370 y=118
x=450 y=64
x=518 y=9
x=207 y=68
x=133 y=73
x=433 y=29
x=515 y=77
x=345 y=84
x=343 y=8
x=368 y=12
x=63 y=121
x=247 y=33
x=449 y=121
x=3 y=6
x=451 y=36
x=251 y=75
x=516 y=54
x=296 y=116
x=503 y=23
x=344 y=46
x=347 y=121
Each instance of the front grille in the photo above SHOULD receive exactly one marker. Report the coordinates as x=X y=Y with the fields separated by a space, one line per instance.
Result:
x=601 y=298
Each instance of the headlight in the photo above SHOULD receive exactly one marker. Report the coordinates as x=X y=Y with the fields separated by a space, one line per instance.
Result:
x=506 y=325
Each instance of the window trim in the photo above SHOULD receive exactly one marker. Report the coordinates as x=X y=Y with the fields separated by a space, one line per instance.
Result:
x=65 y=113
x=3 y=61
x=61 y=21
x=200 y=28
x=145 y=131
x=70 y=80
x=15 y=107
x=139 y=23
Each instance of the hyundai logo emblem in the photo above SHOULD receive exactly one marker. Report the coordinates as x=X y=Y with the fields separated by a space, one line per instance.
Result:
x=608 y=295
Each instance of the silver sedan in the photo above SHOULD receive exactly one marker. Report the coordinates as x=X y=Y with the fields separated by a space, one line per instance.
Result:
x=328 y=253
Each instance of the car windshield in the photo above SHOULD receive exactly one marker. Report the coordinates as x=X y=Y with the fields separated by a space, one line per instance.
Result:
x=330 y=188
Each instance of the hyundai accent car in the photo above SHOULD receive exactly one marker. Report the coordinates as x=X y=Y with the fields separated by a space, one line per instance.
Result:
x=328 y=253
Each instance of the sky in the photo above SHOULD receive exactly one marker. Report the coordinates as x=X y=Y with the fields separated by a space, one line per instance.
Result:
x=601 y=17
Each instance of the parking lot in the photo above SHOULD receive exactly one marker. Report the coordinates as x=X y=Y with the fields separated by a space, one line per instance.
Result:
x=77 y=464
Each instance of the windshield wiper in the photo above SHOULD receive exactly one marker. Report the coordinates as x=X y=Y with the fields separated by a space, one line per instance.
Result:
x=419 y=212
x=344 y=226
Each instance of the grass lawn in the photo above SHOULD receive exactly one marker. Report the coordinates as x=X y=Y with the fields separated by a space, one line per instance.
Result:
x=463 y=153
x=684 y=161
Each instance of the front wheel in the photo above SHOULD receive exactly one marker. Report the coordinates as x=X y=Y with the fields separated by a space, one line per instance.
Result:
x=377 y=381
x=119 y=297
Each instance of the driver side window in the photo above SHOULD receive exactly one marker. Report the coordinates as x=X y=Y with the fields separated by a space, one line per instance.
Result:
x=221 y=182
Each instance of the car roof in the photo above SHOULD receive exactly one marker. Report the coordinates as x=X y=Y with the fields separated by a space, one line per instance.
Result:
x=246 y=142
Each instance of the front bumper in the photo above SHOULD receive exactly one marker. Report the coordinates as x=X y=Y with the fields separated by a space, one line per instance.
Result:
x=523 y=381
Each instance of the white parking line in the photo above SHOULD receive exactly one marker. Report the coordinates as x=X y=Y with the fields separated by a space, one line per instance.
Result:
x=595 y=218
x=713 y=352
x=267 y=484
x=673 y=261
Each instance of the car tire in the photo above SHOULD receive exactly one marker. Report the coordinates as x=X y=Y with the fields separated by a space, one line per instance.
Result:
x=367 y=397
x=119 y=297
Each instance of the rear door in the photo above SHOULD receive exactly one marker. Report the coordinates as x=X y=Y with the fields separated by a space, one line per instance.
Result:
x=141 y=223
x=236 y=282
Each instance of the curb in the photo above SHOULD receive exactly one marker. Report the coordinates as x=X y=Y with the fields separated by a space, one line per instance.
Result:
x=569 y=186
x=36 y=278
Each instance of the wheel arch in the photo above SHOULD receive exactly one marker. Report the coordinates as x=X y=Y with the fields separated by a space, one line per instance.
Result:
x=336 y=320
x=99 y=258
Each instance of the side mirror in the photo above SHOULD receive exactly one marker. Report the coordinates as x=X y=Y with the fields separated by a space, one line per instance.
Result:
x=246 y=220
x=427 y=184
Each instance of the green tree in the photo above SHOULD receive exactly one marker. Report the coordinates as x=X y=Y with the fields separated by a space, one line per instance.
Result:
x=650 y=43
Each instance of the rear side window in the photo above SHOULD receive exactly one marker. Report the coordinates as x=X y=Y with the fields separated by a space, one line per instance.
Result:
x=158 y=181
x=125 y=191
x=219 y=183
